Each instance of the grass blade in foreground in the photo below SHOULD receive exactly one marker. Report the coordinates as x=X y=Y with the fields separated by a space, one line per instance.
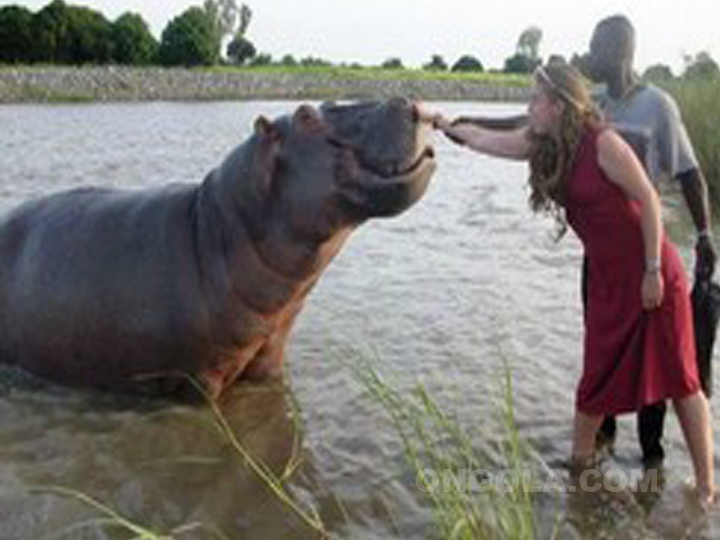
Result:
x=434 y=441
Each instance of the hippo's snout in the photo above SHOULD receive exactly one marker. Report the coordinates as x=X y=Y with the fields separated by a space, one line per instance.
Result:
x=397 y=168
x=389 y=145
x=386 y=138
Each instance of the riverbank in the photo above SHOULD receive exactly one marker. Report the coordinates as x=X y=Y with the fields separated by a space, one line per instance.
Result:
x=114 y=83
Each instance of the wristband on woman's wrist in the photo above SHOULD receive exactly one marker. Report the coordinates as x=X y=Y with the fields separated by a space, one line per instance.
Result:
x=704 y=233
x=652 y=265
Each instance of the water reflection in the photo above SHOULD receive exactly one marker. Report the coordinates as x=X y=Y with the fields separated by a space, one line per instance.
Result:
x=160 y=464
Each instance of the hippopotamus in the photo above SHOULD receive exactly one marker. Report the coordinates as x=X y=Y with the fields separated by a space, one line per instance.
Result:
x=198 y=285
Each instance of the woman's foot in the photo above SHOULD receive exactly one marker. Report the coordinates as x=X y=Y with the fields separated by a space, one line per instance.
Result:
x=577 y=464
x=703 y=495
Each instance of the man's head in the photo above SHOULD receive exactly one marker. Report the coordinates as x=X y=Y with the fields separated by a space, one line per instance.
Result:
x=612 y=48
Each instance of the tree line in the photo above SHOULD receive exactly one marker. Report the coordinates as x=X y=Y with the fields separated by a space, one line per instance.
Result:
x=61 y=33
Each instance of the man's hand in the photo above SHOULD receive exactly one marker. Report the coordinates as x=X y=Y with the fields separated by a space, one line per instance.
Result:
x=705 y=257
x=694 y=188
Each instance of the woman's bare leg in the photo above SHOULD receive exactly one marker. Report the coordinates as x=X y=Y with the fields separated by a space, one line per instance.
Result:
x=586 y=427
x=694 y=415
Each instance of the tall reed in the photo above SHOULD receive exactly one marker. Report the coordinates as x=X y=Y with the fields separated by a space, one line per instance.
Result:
x=434 y=441
x=699 y=103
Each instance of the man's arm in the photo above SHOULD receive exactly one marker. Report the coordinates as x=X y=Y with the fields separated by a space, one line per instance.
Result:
x=677 y=157
x=695 y=191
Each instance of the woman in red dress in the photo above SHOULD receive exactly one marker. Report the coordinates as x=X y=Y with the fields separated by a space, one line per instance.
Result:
x=639 y=347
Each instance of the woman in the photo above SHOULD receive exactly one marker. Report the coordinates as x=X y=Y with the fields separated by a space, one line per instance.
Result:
x=639 y=346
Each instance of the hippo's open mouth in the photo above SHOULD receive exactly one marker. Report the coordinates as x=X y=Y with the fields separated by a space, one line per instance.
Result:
x=387 y=170
x=392 y=170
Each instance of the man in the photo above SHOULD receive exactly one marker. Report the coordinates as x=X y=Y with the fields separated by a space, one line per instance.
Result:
x=649 y=118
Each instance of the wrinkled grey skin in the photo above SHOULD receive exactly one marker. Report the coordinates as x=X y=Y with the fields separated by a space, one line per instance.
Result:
x=139 y=290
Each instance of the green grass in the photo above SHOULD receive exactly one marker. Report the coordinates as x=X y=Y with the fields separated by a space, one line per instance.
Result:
x=377 y=73
x=433 y=440
x=699 y=102
x=111 y=519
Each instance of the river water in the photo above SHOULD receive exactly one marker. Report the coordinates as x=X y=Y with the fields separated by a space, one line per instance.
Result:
x=446 y=295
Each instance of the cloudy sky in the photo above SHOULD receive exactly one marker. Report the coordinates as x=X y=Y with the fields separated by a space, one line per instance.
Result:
x=370 y=31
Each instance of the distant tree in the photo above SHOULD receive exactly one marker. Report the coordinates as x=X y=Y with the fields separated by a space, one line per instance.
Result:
x=528 y=43
x=50 y=28
x=527 y=52
x=132 y=41
x=244 y=21
x=224 y=14
x=15 y=34
x=701 y=67
x=311 y=61
x=262 y=59
x=288 y=61
x=658 y=73
x=71 y=35
x=467 y=63
x=190 y=39
x=392 y=63
x=519 y=63
x=437 y=63
x=89 y=36
x=240 y=50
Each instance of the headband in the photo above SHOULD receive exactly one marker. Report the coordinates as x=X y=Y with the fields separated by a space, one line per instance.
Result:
x=541 y=73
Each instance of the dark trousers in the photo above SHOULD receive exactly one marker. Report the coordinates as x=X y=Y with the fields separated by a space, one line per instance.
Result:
x=651 y=418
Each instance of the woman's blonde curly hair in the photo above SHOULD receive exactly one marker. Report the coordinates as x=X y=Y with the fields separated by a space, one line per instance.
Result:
x=551 y=155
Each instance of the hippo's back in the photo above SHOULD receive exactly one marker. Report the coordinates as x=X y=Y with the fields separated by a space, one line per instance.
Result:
x=92 y=276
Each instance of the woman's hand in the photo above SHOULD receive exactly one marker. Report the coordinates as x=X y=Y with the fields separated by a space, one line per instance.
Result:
x=427 y=116
x=424 y=115
x=653 y=289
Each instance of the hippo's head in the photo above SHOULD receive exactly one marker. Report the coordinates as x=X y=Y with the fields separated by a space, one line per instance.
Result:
x=338 y=165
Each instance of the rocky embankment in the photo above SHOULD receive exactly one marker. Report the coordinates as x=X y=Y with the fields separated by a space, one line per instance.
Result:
x=55 y=84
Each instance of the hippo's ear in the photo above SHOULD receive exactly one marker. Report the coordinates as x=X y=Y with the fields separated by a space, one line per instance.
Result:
x=268 y=148
x=265 y=127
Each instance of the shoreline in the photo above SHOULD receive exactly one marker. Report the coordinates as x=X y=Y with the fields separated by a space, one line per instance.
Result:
x=51 y=84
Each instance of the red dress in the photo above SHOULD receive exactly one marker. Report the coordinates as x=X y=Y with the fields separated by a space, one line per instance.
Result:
x=633 y=357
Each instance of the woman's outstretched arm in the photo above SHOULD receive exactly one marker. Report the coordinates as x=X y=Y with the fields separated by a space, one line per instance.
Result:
x=494 y=122
x=512 y=144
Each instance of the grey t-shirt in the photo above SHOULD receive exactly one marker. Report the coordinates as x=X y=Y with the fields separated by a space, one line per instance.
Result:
x=650 y=120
